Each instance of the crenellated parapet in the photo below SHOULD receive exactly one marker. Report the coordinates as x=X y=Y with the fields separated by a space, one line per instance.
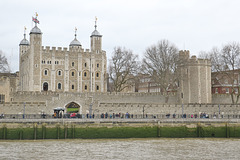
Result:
x=197 y=61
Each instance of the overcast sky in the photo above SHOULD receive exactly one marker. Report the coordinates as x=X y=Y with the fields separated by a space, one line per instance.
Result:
x=195 y=25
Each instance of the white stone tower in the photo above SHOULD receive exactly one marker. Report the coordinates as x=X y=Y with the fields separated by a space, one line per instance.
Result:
x=35 y=58
x=195 y=79
x=23 y=48
x=96 y=40
x=98 y=68
x=29 y=60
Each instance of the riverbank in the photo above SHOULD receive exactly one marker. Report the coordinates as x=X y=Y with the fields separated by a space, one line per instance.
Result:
x=21 y=129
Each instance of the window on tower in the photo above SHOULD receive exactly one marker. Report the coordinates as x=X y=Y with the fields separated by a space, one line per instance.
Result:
x=2 y=98
x=72 y=63
x=85 y=87
x=45 y=72
x=72 y=86
x=85 y=74
x=72 y=73
x=59 y=86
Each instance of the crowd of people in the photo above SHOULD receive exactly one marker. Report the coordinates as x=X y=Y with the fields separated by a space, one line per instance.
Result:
x=116 y=115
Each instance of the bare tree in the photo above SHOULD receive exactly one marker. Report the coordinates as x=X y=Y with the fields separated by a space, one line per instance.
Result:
x=4 y=66
x=161 y=62
x=122 y=68
x=214 y=57
x=226 y=65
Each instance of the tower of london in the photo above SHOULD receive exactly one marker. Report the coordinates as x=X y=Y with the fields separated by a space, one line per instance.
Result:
x=57 y=69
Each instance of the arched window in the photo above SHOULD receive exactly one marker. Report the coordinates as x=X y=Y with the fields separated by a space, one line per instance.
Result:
x=45 y=86
x=85 y=64
x=72 y=86
x=45 y=72
x=85 y=87
x=72 y=73
x=97 y=74
x=59 y=86
x=85 y=74
x=97 y=88
x=97 y=65
x=72 y=63
x=59 y=73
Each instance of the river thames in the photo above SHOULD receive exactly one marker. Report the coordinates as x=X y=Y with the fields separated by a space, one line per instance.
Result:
x=117 y=149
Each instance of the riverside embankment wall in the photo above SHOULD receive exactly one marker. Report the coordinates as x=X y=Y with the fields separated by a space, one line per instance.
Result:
x=60 y=129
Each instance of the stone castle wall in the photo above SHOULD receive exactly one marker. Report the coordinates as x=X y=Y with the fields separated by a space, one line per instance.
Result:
x=133 y=103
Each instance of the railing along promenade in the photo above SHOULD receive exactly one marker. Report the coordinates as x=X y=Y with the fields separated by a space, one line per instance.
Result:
x=102 y=118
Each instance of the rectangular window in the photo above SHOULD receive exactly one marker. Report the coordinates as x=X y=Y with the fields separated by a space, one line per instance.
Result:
x=227 y=90
x=2 y=98
x=216 y=90
x=236 y=90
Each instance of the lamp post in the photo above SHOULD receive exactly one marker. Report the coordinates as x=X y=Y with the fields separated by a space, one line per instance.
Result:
x=182 y=104
x=143 y=111
x=90 y=107
x=219 y=111
x=182 y=111
x=23 y=110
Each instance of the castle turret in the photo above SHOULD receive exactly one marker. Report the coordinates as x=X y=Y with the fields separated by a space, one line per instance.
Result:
x=24 y=44
x=35 y=57
x=23 y=49
x=195 y=79
x=96 y=40
x=75 y=42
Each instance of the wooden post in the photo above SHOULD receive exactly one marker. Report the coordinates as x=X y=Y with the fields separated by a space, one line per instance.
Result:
x=65 y=131
x=159 y=129
x=43 y=131
x=73 y=130
x=4 y=132
x=58 y=128
x=20 y=134
x=198 y=130
x=227 y=131
x=35 y=131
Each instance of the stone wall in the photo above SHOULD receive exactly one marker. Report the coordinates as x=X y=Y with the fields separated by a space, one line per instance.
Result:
x=20 y=107
x=133 y=103
x=154 y=109
x=222 y=98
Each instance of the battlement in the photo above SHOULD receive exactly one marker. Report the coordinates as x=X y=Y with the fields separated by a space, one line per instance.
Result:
x=199 y=61
x=184 y=54
x=75 y=49
x=57 y=49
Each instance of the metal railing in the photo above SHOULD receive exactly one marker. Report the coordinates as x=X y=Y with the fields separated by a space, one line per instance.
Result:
x=121 y=116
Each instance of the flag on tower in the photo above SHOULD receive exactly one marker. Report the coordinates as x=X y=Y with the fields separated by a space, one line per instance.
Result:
x=35 y=20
